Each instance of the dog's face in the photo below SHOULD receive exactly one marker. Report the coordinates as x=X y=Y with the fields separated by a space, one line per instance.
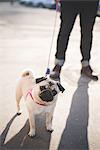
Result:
x=48 y=89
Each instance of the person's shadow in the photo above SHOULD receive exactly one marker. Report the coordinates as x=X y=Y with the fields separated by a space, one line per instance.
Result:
x=22 y=141
x=75 y=134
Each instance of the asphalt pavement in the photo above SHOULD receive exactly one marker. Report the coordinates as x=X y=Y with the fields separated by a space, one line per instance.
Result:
x=25 y=41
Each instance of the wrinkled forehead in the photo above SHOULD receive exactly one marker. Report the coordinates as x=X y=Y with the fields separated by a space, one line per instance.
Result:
x=43 y=81
x=48 y=82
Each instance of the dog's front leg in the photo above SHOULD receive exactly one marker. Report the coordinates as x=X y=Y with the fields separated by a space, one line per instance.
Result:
x=32 y=124
x=18 y=99
x=49 y=117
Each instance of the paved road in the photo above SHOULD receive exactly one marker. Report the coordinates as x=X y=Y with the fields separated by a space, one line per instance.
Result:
x=25 y=39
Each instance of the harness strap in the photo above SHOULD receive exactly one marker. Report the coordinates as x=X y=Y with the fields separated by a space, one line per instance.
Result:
x=30 y=94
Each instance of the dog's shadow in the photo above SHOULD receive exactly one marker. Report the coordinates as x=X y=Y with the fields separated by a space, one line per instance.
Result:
x=22 y=141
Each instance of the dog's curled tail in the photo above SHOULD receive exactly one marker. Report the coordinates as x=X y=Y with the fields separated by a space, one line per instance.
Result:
x=27 y=73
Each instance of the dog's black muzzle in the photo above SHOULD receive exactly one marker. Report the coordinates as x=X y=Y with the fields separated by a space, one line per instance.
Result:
x=47 y=94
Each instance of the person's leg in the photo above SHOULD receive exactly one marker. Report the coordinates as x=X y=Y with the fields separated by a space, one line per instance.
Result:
x=68 y=16
x=88 y=10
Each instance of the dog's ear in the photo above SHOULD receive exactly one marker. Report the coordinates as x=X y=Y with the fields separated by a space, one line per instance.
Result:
x=61 y=88
x=38 y=80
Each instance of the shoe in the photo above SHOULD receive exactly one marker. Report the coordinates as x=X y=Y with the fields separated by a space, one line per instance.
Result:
x=87 y=71
x=55 y=74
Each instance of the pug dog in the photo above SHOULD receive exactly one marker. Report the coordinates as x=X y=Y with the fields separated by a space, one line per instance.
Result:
x=40 y=96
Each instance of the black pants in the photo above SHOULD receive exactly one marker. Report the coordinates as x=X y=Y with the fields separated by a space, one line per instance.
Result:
x=69 y=10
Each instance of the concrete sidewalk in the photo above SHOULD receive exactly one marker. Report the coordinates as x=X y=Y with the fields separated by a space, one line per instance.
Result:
x=24 y=43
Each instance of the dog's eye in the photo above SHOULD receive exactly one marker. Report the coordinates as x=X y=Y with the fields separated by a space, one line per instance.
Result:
x=54 y=92
x=42 y=88
x=50 y=83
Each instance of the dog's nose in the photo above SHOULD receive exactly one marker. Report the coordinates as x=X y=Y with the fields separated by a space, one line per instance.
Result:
x=42 y=88
x=46 y=95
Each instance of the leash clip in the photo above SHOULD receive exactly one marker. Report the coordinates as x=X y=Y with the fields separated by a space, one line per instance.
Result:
x=47 y=72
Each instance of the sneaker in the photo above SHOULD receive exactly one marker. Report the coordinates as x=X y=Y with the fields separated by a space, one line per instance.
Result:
x=55 y=74
x=87 y=71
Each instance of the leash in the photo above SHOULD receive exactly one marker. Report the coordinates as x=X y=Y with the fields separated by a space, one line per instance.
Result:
x=52 y=39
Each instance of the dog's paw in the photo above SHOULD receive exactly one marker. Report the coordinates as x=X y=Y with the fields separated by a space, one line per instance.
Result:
x=19 y=113
x=31 y=134
x=50 y=130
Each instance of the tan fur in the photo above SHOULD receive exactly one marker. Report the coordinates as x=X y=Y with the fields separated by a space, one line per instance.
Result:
x=26 y=73
x=25 y=83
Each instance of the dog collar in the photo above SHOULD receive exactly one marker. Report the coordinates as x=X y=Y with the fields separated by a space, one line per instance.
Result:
x=30 y=94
